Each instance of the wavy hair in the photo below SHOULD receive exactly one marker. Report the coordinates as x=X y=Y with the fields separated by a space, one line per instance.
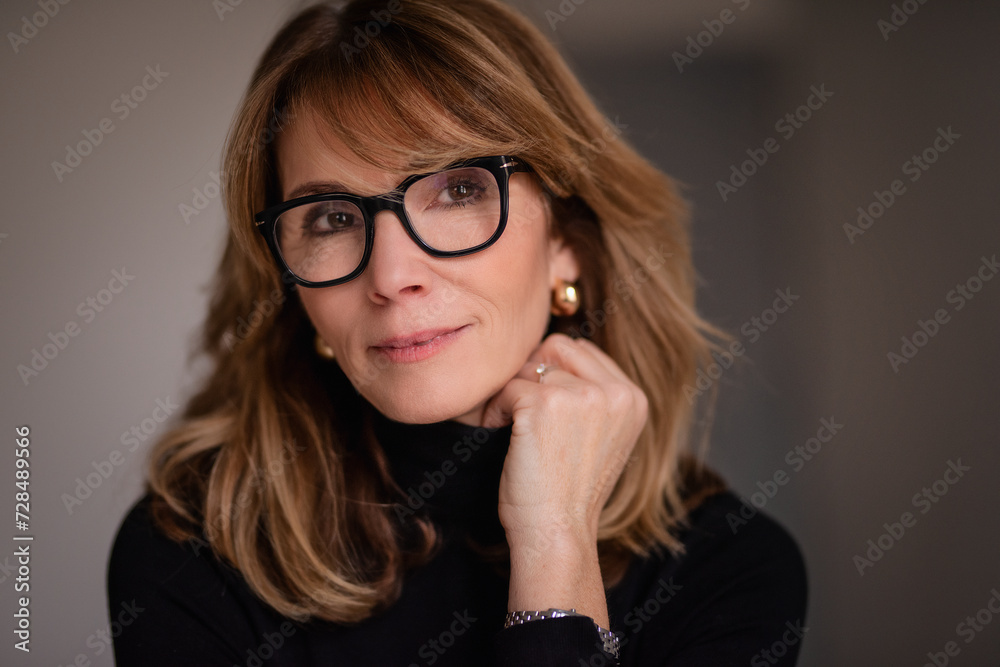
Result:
x=273 y=463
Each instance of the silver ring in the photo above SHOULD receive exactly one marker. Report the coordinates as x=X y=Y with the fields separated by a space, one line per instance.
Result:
x=542 y=369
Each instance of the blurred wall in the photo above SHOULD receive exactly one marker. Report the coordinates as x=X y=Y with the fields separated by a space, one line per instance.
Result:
x=104 y=265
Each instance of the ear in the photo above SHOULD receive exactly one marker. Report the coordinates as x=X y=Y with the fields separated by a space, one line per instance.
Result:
x=562 y=262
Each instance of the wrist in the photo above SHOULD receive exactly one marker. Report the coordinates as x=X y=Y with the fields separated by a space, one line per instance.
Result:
x=562 y=536
x=555 y=569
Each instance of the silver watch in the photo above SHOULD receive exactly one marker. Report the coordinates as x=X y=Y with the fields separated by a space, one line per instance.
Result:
x=610 y=639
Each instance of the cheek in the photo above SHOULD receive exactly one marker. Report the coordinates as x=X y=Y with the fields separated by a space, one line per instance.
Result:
x=320 y=305
x=520 y=276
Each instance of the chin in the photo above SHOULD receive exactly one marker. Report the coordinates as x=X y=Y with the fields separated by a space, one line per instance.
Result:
x=414 y=411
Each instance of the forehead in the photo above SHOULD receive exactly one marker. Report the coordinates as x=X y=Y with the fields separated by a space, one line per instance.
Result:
x=308 y=153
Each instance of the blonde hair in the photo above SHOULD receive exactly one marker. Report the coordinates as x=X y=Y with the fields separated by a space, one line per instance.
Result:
x=297 y=496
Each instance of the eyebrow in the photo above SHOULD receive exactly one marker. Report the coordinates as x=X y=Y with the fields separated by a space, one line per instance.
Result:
x=315 y=188
x=322 y=188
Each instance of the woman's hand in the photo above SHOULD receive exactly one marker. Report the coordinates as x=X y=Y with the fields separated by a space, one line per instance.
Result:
x=570 y=440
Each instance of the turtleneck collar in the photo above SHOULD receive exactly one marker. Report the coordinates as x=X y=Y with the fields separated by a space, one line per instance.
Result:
x=448 y=470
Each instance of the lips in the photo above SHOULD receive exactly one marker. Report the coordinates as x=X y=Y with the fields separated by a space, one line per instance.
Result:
x=418 y=346
x=415 y=339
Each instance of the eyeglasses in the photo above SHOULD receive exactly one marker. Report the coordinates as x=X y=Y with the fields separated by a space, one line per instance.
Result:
x=326 y=239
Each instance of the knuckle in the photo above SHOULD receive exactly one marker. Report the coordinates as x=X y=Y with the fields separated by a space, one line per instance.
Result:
x=559 y=337
x=593 y=394
x=620 y=395
x=564 y=345
x=557 y=397
x=642 y=401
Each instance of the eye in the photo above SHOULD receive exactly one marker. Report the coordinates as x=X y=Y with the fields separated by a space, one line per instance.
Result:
x=330 y=217
x=453 y=190
x=338 y=219
x=460 y=191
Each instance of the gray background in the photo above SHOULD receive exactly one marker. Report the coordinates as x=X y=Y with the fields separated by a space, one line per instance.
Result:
x=824 y=358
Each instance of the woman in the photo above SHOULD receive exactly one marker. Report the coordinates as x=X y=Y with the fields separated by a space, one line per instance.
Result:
x=452 y=331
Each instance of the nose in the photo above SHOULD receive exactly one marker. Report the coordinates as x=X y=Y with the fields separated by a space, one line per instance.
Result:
x=397 y=266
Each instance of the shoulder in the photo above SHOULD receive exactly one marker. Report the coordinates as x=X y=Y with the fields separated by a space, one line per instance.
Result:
x=726 y=532
x=144 y=561
x=160 y=591
x=725 y=526
x=143 y=557
x=728 y=545
x=739 y=585
x=141 y=547
x=744 y=561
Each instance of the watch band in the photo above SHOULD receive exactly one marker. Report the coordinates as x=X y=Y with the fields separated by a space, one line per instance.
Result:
x=610 y=639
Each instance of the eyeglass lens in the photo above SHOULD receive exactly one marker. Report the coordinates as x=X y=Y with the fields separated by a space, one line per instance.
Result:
x=451 y=210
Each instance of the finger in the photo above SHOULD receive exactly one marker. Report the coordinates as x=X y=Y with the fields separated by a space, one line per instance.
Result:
x=610 y=364
x=580 y=357
x=499 y=410
x=529 y=371
x=546 y=353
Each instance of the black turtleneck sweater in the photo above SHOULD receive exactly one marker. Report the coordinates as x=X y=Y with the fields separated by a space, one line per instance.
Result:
x=737 y=596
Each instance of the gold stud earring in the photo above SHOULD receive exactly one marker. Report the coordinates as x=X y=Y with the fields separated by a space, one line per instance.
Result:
x=565 y=298
x=322 y=349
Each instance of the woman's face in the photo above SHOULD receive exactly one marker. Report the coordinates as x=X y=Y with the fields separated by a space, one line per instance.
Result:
x=492 y=307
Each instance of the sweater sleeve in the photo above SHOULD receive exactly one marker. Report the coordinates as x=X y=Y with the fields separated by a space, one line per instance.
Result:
x=168 y=603
x=551 y=642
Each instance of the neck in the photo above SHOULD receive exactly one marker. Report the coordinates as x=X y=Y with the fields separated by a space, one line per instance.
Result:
x=449 y=471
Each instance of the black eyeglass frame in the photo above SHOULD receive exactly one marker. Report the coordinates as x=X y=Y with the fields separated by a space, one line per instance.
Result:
x=501 y=166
